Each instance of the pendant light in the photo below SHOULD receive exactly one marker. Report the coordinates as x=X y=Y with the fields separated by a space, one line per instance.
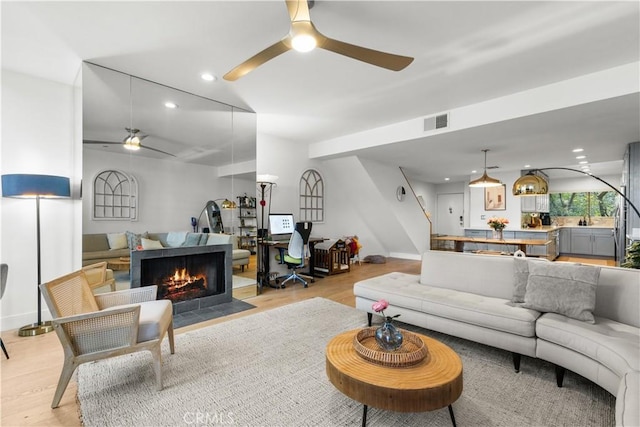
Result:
x=485 y=180
x=530 y=185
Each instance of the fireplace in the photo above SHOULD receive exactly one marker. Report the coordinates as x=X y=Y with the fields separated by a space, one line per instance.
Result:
x=191 y=277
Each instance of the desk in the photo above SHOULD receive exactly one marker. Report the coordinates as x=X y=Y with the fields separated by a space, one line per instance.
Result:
x=459 y=242
x=263 y=250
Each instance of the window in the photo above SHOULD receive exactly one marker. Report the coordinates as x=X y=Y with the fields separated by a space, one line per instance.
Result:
x=115 y=196
x=597 y=204
x=311 y=196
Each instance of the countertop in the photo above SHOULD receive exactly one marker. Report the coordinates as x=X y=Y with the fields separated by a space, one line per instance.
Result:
x=543 y=228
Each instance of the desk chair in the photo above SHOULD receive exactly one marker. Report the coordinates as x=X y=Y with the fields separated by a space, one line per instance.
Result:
x=295 y=254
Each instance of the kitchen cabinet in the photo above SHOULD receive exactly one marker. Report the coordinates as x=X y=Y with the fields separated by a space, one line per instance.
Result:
x=565 y=240
x=535 y=203
x=536 y=250
x=592 y=241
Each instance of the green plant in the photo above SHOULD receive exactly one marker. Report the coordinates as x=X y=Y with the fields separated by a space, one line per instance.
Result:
x=632 y=259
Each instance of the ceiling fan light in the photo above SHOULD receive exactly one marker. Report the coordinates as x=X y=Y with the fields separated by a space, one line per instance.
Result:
x=530 y=185
x=304 y=42
x=132 y=143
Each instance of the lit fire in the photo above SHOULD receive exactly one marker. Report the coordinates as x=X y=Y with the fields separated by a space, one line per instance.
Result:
x=182 y=278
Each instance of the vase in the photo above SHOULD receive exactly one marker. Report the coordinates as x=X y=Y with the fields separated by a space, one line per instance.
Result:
x=497 y=234
x=388 y=337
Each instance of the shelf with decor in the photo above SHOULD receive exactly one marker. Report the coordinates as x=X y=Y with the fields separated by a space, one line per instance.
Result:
x=247 y=234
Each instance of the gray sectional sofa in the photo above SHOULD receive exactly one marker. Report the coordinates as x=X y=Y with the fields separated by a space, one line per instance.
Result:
x=474 y=297
x=96 y=247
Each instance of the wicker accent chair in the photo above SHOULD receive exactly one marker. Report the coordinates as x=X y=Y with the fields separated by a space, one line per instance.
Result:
x=93 y=327
x=98 y=276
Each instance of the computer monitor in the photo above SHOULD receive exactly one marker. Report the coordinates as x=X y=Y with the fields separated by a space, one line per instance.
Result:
x=281 y=225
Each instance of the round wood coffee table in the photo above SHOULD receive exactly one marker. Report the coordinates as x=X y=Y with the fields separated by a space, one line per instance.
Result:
x=432 y=384
x=122 y=263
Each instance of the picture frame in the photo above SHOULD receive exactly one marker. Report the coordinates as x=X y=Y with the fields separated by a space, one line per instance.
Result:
x=495 y=198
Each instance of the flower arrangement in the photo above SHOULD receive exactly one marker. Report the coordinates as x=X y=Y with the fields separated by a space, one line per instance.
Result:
x=497 y=224
x=380 y=306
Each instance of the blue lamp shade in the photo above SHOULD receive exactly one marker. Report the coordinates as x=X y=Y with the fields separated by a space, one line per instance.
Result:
x=26 y=185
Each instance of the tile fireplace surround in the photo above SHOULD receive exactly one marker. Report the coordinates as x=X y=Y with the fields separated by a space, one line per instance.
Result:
x=221 y=258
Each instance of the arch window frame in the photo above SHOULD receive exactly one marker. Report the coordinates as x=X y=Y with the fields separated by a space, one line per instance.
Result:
x=115 y=196
x=311 y=197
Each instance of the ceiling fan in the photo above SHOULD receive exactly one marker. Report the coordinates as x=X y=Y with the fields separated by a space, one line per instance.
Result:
x=130 y=142
x=304 y=37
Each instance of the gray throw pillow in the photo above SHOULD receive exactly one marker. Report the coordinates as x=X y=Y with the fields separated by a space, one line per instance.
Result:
x=135 y=240
x=521 y=277
x=566 y=289
x=193 y=239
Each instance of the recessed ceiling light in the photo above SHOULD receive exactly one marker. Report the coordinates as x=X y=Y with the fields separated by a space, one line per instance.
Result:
x=208 y=77
x=578 y=150
x=446 y=179
x=170 y=104
x=527 y=166
x=581 y=157
x=584 y=162
x=474 y=171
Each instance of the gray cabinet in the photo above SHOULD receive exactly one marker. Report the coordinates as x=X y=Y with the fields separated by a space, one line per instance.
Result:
x=535 y=203
x=565 y=240
x=592 y=241
x=534 y=250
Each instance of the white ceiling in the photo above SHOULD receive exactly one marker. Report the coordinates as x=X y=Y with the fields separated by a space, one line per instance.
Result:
x=465 y=53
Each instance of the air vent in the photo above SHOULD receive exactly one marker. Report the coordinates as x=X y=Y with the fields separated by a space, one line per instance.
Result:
x=493 y=167
x=440 y=121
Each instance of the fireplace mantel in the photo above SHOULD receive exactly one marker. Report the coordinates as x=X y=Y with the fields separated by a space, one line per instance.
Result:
x=139 y=257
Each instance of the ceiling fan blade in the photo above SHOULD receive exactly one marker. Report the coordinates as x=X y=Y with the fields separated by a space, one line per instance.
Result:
x=298 y=10
x=389 y=61
x=258 y=59
x=90 y=141
x=156 y=150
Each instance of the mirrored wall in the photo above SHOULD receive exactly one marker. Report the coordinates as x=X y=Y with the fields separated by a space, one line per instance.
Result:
x=187 y=149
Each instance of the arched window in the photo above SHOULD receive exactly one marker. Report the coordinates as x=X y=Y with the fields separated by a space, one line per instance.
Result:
x=311 y=196
x=115 y=195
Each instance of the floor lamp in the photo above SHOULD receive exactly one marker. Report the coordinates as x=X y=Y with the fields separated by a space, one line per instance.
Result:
x=36 y=187
x=264 y=182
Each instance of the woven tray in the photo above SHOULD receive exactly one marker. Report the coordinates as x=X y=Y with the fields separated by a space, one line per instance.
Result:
x=412 y=351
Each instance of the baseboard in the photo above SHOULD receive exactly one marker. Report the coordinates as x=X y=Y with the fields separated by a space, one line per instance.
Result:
x=401 y=255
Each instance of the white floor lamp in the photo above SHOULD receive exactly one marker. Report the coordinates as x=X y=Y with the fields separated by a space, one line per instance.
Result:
x=36 y=187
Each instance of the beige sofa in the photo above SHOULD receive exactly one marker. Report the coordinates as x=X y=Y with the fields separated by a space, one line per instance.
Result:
x=95 y=247
x=470 y=296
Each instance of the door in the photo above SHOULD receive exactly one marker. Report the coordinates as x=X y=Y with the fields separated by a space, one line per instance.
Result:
x=450 y=211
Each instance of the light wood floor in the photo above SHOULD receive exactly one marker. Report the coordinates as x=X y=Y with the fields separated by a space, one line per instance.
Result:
x=30 y=376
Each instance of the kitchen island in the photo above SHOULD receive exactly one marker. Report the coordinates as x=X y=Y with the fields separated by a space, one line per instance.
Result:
x=522 y=244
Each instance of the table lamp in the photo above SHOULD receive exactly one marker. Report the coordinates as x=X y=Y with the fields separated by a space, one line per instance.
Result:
x=36 y=187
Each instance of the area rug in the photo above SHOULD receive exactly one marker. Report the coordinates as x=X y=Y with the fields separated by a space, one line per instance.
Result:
x=268 y=369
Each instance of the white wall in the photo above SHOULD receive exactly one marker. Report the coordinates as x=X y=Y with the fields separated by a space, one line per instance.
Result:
x=39 y=136
x=169 y=192
x=478 y=216
x=359 y=198
x=583 y=183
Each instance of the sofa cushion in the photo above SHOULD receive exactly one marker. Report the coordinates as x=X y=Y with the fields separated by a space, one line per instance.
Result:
x=219 y=239
x=237 y=254
x=176 y=238
x=491 y=276
x=487 y=312
x=135 y=239
x=566 y=289
x=151 y=244
x=117 y=241
x=613 y=344
x=400 y=289
x=521 y=277
x=193 y=239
